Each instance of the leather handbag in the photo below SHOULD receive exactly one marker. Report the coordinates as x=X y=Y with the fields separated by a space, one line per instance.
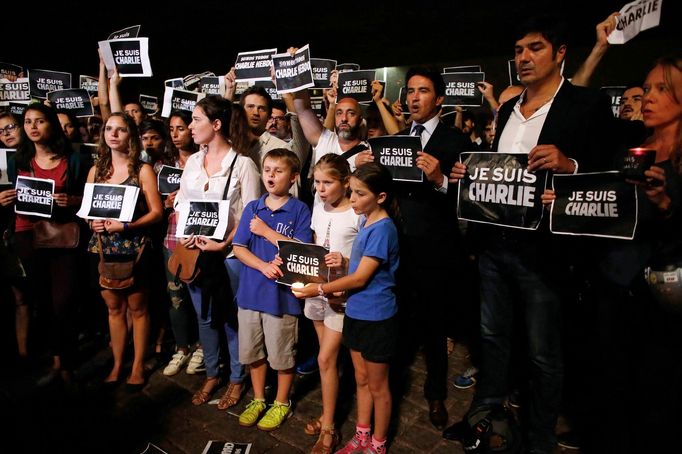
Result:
x=117 y=275
x=182 y=264
x=50 y=235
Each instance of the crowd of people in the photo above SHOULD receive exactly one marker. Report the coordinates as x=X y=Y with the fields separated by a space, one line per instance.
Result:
x=559 y=325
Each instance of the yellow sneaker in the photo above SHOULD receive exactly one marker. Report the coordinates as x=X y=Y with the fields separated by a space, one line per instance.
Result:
x=275 y=416
x=253 y=410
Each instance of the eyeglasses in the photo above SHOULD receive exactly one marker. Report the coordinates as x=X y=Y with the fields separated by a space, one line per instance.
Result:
x=278 y=118
x=8 y=129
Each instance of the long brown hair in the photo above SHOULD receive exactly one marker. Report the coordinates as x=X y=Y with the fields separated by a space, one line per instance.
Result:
x=104 y=166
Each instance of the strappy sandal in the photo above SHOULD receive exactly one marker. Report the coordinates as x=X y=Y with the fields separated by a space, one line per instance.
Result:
x=231 y=397
x=313 y=427
x=319 y=447
x=201 y=396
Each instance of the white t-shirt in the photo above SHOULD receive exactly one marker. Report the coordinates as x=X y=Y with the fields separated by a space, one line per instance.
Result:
x=329 y=143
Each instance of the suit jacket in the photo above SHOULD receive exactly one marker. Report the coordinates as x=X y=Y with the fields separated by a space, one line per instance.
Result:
x=580 y=124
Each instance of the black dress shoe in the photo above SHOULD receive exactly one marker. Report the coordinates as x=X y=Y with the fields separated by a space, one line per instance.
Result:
x=132 y=388
x=438 y=414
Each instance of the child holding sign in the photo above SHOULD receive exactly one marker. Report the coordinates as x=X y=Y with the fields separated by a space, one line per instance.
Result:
x=335 y=226
x=267 y=310
x=370 y=328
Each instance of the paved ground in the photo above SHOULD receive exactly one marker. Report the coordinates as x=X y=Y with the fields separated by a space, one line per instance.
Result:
x=58 y=419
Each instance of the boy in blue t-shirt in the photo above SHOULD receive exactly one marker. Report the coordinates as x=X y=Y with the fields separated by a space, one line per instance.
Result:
x=268 y=312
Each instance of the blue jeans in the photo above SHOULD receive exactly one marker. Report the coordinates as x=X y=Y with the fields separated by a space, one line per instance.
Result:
x=210 y=337
x=518 y=275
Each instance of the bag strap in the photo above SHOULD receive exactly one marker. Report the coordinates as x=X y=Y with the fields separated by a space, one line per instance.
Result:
x=229 y=175
x=353 y=151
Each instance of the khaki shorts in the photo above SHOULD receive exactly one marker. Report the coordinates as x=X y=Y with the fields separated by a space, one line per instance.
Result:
x=317 y=309
x=263 y=335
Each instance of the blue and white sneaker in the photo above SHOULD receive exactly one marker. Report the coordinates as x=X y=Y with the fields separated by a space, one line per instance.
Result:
x=467 y=379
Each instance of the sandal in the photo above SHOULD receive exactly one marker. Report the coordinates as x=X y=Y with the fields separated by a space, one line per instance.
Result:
x=202 y=396
x=231 y=397
x=319 y=447
x=313 y=427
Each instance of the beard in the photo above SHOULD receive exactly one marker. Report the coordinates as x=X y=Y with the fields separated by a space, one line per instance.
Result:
x=348 y=134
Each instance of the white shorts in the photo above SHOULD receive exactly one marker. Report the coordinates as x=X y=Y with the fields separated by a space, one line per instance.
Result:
x=318 y=309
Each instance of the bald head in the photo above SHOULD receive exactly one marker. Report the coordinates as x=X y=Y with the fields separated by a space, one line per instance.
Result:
x=347 y=118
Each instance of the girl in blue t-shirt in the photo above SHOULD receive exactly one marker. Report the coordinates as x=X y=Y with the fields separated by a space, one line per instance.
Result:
x=370 y=327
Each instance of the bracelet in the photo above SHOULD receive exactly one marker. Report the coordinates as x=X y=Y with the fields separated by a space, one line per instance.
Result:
x=125 y=226
x=319 y=290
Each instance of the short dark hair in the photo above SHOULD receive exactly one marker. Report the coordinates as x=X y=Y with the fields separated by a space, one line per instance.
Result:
x=260 y=91
x=279 y=105
x=551 y=27
x=285 y=155
x=430 y=73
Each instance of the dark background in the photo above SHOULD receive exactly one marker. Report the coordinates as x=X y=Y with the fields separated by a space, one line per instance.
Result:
x=207 y=34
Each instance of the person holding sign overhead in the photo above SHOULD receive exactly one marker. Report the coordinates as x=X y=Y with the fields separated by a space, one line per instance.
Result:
x=560 y=127
x=44 y=152
x=218 y=171
x=431 y=246
x=119 y=163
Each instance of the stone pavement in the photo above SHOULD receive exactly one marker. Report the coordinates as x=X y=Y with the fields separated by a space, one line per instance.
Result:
x=55 y=418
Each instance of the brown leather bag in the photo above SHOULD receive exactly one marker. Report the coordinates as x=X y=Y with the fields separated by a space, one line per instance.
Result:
x=50 y=234
x=183 y=264
x=117 y=275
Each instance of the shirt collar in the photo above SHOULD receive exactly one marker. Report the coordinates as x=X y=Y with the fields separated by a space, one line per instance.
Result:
x=523 y=95
x=262 y=206
x=429 y=126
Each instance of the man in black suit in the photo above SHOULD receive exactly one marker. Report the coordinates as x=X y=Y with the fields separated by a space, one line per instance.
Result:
x=431 y=254
x=562 y=128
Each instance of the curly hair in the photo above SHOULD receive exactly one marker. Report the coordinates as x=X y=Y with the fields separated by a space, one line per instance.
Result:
x=104 y=166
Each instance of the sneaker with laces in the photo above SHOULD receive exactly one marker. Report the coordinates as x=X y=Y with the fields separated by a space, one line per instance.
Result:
x=177 y=362
x=275 y=416
x=196 y=362
x=355 y=446
x=252 y=413
x=467 y=379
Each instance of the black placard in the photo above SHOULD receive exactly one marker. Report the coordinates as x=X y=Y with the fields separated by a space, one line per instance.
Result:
x=499 y=189
x=34 y=196
x=345 y=67
x=107 y=202
x=128 y=32
x=149 y=103
x=76 y=100
x=127 y=56
x=322 y=70
x=293 y=72
x=226 y=447
x=9 y=69
x=461 y=89
x=356 y=85
x=255 y=65
x=463 y=69
x=89 y=83
x=42 y=81
x=17 y=108
x=614 y=93
x=594 y=204
x=176 y=99
x=270 y=87
x=169 y=179
x=18 y=91
x=176 y=82
x=211 y=85
x=203 y=218
x=399 y=155
x=302 y=262
x=514 y=78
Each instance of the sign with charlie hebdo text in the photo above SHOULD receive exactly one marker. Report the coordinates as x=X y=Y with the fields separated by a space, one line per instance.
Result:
x=356 y=85
x=8 y=69
x=177 y=99
x=202 y=218
x=89 y=83
x=614 y=93
x=302 y=262
x=149 y=103
x=635 y=17
x=34 y=196
x=595 y=204
x=254 y=65
x=128 y=32
x=43 y=81
x=293 y=73
x=76 y=100
x=17 y=91
x=499 y=189
x=212 y=85
x=322 y=71
x=226 y=447
x=399 y=155
x=129 y=56
x=169 y=179
x=461 y=89
x=268 y=86
x=108 y=201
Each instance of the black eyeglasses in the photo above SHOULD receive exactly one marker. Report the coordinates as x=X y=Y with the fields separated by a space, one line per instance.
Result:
x=8 y=129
